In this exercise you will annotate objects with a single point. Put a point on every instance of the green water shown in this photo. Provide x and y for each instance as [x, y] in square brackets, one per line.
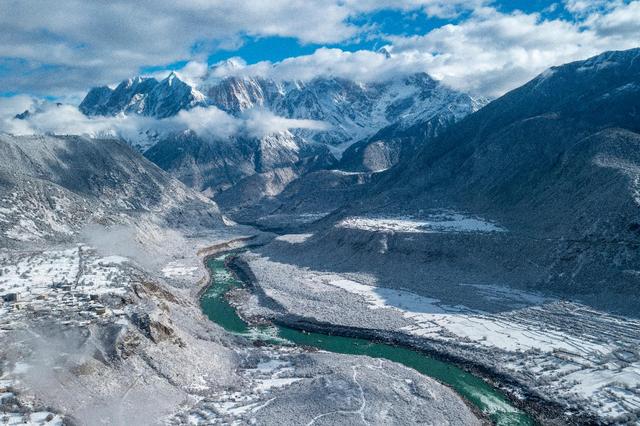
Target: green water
[475, 390]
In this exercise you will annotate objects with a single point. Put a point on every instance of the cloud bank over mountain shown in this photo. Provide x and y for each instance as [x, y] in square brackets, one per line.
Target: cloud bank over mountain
[210, 122]
[477, 46]
[488, 54]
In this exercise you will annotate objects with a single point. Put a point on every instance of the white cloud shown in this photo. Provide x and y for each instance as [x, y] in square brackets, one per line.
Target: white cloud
[206, 122]
[586, 7]
[487, 54]
[213, 123]
[77, 43]
[363, 65]
[210, 123]
[64, 47]
[67, 119]
[10, 106]
[192, 72]
[493, 52]
[621, 24]
[434, 8]
[259, 122]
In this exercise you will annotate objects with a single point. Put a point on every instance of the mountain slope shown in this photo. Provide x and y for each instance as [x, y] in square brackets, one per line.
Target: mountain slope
[557, 163]
[213, 165]
[54, 186]
[390, 144]
[571, 119]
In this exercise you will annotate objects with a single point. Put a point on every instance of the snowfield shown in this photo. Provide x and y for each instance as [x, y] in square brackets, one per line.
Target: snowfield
[440, 222]
[77, 308]
[595, 359]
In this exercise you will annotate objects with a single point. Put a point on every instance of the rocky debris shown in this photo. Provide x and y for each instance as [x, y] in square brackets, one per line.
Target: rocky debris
[10, 297]
[154, 330]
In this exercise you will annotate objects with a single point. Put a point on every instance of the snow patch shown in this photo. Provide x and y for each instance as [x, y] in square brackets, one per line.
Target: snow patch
[294, 238]
[438, 223]
[176, 270]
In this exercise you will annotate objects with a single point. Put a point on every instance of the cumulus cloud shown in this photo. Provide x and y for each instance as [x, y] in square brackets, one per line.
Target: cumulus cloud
[77, 43]
[493, 52]
[210, 123]
[206, 122]
[66, 46]
[10, 106]
[433, 8]
[487, 54]
[362, 65]
[621, 24]
[191, 73]
[586, 7]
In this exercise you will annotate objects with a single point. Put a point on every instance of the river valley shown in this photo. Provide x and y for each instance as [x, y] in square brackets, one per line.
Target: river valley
[483, 397]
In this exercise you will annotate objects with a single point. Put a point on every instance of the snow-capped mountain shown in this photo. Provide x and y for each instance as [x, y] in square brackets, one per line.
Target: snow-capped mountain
[354, 110]
[143, 96]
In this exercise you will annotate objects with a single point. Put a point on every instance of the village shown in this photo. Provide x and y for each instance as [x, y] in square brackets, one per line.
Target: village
[73, 287]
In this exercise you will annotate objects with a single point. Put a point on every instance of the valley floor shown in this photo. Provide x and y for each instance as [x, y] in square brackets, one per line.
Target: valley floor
[89, 331]
[91, 337]
[538, 348]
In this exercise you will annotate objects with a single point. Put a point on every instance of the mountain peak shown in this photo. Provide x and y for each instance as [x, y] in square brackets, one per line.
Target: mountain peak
[234, 63]
[385, 52]
[172, 82]
[143, 96]
[171, 78]
[354, 110]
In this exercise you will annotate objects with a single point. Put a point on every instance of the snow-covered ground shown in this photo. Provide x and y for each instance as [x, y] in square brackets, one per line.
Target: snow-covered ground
[294, 238]
[33, 222]
[92, 335]
[565, 351]
[290, 386]
[177, 270]
[439, 222]
[66, 284]
[12, 412]
[76, 326]
[583, 352]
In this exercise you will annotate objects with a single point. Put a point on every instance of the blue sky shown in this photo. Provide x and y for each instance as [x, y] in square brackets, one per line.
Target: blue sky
[60, 49]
